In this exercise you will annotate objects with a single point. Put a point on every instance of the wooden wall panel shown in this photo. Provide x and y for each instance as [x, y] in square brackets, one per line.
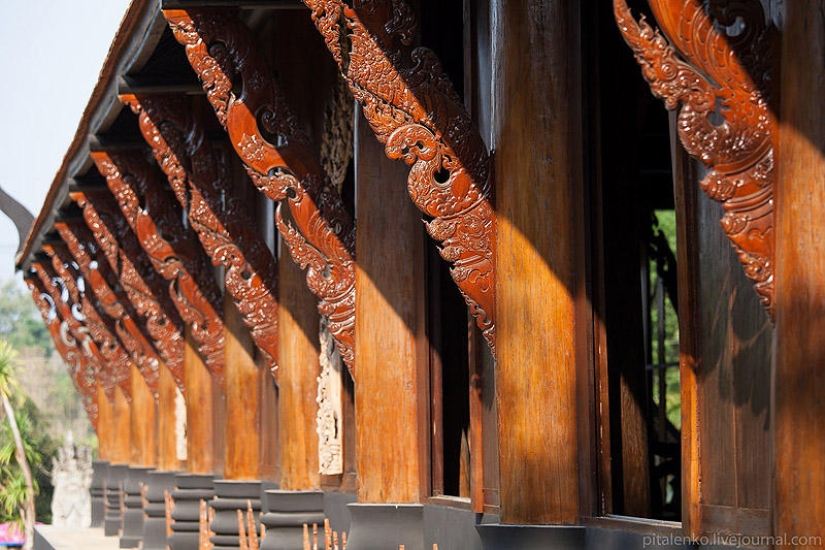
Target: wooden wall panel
[391, 385]
[297, 382]
[121, 429]
[167, 436]
[105, 426]
[143, 423]
[799, 444]
[733, 385]
[536, 374]
[200, 405]
[242, 394]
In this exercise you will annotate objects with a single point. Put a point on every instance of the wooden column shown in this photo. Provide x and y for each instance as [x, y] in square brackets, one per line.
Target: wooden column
[121, 429]
[166, 422]
[297, 381]
[242, 393]
[105, 426]
[799, 417]
[538, 237]
[391, 350]
[144, 447]
[201, 439]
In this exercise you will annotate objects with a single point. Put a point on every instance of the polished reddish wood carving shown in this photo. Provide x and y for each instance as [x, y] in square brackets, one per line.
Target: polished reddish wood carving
[140, 282]
[114, 303]
[202, 183]
[81, 370]
[414, 111]
[116, 367]
[160, 232]
[717, 80]
[320, 233]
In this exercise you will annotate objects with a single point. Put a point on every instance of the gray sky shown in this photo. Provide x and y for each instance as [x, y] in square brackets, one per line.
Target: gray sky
[51, 52]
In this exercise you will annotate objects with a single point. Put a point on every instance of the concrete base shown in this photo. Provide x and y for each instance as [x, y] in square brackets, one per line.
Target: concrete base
[190, 490]
[113, 519]
[382, 526]
[231, 496]
[132, 534]
[98, 491]
[556, 537]
[286, 512]
[154, 526]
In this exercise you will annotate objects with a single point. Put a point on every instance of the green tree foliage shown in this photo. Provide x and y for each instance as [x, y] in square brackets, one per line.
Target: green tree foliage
[20, 322]
[40, 450]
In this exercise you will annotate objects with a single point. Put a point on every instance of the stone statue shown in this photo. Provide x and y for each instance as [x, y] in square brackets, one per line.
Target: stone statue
[72, 478]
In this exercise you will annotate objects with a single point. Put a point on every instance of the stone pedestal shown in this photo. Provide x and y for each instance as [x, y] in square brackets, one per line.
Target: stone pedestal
[113, 516]
[382, 526]
[132, 533]
[154, 525]
[231, 496]
[190, 490]
[98, 491]
[285, 513]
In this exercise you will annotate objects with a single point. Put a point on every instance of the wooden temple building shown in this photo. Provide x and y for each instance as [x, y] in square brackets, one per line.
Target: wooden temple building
[406, 265]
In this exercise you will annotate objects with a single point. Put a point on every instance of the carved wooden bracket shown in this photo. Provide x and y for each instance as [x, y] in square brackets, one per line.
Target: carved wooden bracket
[81, 370]
[718, 81]
[414, 111]
[140, 282]
[116, 367]
[160, 232]
[320, 232]
[202, 183]
[114, 303]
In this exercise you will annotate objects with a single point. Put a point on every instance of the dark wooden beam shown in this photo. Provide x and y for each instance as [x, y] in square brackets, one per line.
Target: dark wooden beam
[241, 4]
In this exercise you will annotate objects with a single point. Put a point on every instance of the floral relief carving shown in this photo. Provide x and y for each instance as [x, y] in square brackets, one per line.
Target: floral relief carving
[414, 111]
[718, 82]
[201, 181]
[114, 237]
[81, 370]
[167, 243]
[116, 305]
[116, 367]
[317, 228]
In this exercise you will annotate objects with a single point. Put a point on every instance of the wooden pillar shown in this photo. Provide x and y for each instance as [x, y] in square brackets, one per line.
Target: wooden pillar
[536, 261]
[105, 426]
[391, 378]
[297, 381]
[144, 448]
[167, 422]
[121, 429]
[200, 405]
[800, 277]
[242, 393]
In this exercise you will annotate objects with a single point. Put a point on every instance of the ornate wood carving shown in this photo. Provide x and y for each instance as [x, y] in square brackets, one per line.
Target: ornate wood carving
[718, 81]
[81, 370]
[115, 304]
[320, 233]
[329, 419]
[115, 238]
[116, 368]
[202, 183]
[414, 111]
[160, 232]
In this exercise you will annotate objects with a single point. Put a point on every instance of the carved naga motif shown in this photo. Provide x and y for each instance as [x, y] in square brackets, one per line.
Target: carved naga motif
[202, 184]
[320, 232]
[115, 238]
[116, 368]
[115, 304]
[414, 111]
[81, 370]
[724, 120]
[167, 243]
